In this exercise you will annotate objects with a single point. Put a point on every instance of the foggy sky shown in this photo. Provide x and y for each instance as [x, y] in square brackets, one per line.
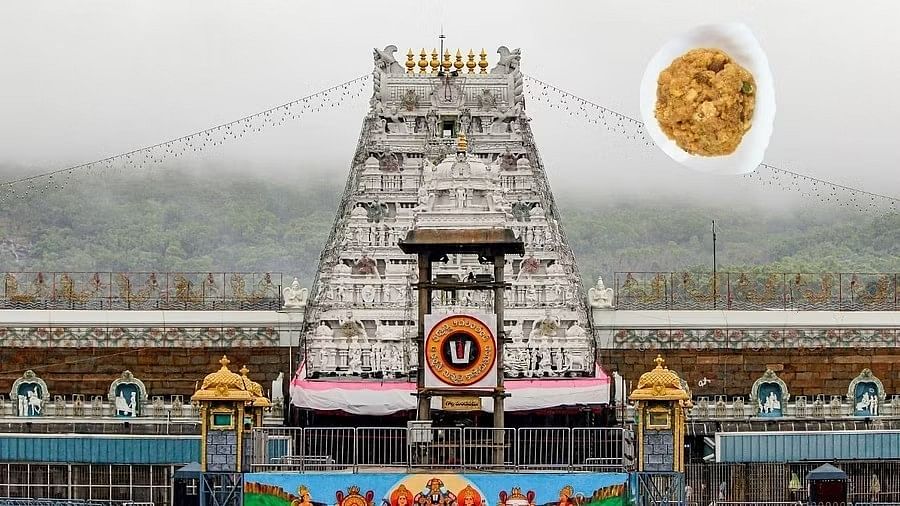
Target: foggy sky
[83, 80]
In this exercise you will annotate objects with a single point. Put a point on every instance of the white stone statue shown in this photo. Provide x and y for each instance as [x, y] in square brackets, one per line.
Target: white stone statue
[126, 407]
[425, 201]
[354, 358]
[413, 355]
[278, 389]
[599, 296]
[295, 296]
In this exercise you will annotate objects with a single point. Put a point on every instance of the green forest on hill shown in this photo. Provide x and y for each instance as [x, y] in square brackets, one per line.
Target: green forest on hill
[175, 221]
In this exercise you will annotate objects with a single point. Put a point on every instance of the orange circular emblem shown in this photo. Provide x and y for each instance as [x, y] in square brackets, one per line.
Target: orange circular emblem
[460, 350]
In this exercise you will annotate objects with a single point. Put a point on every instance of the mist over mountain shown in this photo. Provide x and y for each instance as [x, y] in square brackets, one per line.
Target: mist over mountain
[231, 220]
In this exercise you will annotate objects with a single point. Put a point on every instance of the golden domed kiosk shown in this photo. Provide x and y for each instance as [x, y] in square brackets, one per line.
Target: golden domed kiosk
[660, 405]
[231, 405]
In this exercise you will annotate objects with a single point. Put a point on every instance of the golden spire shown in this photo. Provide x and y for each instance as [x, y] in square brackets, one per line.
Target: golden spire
[435, 63]
[423, 62]
[660, 362]
[410, 64]
[462, 145]
[458, 64]
[471, 63]
[446, 64]
[483, 64]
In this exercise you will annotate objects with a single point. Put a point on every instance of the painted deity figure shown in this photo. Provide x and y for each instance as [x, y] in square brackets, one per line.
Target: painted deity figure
[435, 494]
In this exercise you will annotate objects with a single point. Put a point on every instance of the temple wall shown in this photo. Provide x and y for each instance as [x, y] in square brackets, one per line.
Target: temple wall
[165, 371]
[806, 372]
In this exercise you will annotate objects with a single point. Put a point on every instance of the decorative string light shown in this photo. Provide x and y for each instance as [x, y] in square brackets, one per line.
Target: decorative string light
[196, 142]
[767, 174]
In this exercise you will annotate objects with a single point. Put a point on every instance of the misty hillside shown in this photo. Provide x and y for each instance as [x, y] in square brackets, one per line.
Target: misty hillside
[172, 221]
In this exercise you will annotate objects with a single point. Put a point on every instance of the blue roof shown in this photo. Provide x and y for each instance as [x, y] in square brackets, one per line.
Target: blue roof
[807, 446]
[99, 448]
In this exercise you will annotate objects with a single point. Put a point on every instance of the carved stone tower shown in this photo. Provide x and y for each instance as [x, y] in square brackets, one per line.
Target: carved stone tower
[446, 143]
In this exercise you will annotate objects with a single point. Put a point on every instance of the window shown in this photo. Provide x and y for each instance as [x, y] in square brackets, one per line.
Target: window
[658, 418]
[221, 420]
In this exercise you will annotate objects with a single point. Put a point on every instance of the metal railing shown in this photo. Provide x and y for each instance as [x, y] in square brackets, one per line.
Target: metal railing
[141, 290]
[874, 481]
[834, 291]
[374, 449]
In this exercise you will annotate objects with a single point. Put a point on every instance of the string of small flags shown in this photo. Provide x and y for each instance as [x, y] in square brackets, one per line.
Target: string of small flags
[195, 142]
[766, 174]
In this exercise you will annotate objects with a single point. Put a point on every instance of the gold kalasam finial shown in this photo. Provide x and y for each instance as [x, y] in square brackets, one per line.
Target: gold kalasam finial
[471, 63]
[224, 361]
[244, 371]
[462, 145]
[410, 64]
[458, 64]
[435, 63]
[660, 362]
[423, 62]
[446, 64]
[483, 64]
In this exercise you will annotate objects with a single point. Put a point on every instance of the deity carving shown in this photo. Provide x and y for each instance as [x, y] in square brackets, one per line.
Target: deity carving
[389, 161]
[353, 328]
[354, 358]
[521, 211]
[295, 296]
[508, 160]
[376, 211]
[465, 121]
[487, 101]
[367, 266]
[410, 100]
[546, 326]
[599, 296]
[431, 119]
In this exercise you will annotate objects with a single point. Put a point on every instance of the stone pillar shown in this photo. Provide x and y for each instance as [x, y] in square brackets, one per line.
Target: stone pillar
[499, 391]
[660, 405]
[424, 404]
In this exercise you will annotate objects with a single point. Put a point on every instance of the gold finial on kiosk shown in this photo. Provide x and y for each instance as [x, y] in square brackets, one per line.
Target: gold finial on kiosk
[462, 145]
[446, 64]
[458, 64]
[660, 404]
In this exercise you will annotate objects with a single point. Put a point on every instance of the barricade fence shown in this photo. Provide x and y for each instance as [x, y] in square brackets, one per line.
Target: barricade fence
[362, 449]
[727, 484]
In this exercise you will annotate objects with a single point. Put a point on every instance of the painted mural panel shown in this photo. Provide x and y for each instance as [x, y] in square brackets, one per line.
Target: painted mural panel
[283, 489]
